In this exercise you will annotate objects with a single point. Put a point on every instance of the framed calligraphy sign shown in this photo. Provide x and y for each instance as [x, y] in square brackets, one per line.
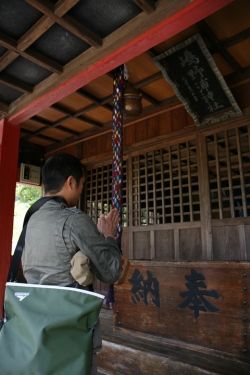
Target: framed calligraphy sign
[197, 82]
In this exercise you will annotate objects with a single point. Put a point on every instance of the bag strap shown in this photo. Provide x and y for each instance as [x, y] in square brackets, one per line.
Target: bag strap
[16, 259]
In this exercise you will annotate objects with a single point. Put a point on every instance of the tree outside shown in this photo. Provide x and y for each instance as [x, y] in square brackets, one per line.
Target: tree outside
[25, 197]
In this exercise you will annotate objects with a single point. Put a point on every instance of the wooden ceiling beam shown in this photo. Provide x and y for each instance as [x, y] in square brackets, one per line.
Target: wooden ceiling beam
[46, 138]
[26, 40]
[147, 5]
[35, 32]
[91, 107]
[56, 124]
[51, 124]
[15, 84]
[146, 81]
[43, 61]
[62, 110]
[107, 99]
[67, 130]
[7, 59]
[146, 113]
[27, 132]
[235, 39]
[41, 26]
[63, 6]
[88, 121]
[100, 102]
[47, 126]
[32, 135]
[4, 109]
[234, 77]
[67, 22]
[206, 31]
[149, 98]
[88, 96]
[94, 99]
[76, 115]
[30, 54]
[88, 108]
[130, 40]
[38, 29]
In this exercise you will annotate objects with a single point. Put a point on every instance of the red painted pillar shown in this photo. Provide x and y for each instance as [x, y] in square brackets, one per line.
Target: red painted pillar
[9, 146]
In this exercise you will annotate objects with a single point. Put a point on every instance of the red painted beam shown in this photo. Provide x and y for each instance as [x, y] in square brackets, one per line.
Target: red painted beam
[181, 20]
[9, 142]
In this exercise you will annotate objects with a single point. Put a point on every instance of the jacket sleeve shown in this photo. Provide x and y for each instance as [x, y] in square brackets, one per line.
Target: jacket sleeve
[104, 254]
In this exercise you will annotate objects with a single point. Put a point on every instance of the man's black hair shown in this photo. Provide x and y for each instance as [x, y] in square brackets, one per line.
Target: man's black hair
[57, 169]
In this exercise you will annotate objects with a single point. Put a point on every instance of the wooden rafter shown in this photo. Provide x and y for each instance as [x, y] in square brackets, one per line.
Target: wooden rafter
[63, 6]
[206, 30]
[166, 21]
[148, 97]
[30, 54]
[4, 109]
[96, 103]
[67, 22]
[30, 135]
[40, 27]
[230, 78]
[47, 125]
[147, 5]
[88, 108]
[57, 124]
[7, 58]
[235, 39]
[74, 115]
[147, 111]
[15, 84]
[146, 81]
[100, 102]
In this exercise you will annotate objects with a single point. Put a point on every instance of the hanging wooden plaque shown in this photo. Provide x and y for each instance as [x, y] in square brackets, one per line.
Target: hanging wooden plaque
[197, 82]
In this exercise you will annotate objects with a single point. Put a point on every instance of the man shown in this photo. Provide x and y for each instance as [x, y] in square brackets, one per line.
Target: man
[57, 231]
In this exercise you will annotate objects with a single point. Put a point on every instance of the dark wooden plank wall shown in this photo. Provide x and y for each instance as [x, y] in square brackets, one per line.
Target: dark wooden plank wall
[139, 131]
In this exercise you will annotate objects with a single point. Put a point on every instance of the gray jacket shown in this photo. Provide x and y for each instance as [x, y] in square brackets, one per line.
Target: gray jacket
[54, 234]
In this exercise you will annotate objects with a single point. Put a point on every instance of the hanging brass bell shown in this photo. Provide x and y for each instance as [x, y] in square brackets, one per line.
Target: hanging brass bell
[132, 106]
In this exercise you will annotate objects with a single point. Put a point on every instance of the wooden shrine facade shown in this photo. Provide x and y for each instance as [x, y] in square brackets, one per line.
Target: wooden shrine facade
[186, 213]
[186, 190]
[186, 193]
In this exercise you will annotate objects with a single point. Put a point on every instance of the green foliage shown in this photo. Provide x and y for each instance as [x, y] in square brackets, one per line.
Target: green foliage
[27, 194]
[25, 197]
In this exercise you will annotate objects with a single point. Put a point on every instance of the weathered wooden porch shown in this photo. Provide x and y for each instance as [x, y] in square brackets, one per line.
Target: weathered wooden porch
[125, 353]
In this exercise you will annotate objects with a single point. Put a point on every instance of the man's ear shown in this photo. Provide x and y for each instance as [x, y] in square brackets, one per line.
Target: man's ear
[69, 182]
